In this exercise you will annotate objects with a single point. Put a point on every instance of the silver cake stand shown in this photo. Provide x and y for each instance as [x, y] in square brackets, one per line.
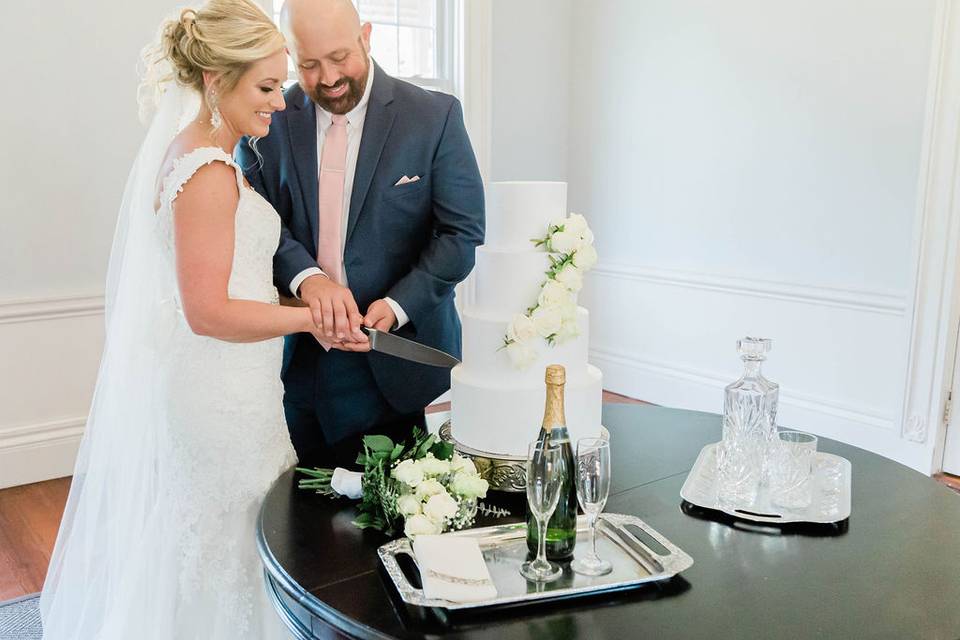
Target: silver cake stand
[503, 472]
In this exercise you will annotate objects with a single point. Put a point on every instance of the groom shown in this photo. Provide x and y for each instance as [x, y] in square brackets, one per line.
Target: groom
[381, 205]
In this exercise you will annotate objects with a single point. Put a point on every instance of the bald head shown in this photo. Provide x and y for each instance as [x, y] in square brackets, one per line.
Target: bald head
[303, 17]
[329, 47]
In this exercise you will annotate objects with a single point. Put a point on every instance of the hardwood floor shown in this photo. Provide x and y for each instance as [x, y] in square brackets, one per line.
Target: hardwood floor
[30, 517]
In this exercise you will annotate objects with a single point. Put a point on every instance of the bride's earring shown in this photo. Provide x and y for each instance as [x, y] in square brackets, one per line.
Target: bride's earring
[216, 120]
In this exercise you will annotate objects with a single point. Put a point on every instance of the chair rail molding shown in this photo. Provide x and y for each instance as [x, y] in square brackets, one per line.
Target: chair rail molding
[873, 301]
[50, 308]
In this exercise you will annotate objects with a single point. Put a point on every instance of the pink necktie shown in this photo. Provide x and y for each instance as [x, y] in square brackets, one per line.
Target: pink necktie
[332, 170]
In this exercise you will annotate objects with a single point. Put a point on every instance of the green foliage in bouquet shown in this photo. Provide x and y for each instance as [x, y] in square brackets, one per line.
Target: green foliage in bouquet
[378, 507]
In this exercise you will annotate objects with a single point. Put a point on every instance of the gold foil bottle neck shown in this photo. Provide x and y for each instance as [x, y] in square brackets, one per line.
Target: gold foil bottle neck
[553, 415]
[556, 374]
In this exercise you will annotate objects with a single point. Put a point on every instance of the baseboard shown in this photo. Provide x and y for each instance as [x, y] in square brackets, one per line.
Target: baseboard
[34, 453]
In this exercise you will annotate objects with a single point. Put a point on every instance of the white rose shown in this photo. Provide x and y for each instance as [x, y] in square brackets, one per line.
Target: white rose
[568, 310]
[547, 321]
[522, 355]
[565, 242]
[570, 277]
[408, 504]
[420, 525]
[470, 485]
[585, 257]
[521, 329]
[569, 329]
[462, 464]
[433, 466]
[575, 223]
[586, 238]
[428, 488]
[552, 294]
[440, 508]
[408, 472]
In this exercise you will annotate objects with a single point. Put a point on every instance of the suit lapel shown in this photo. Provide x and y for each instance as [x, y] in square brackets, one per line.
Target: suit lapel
[376, 129]
[302, 129]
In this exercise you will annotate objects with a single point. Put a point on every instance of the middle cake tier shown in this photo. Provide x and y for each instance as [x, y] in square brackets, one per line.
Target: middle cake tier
[508, 282]
[484, 355]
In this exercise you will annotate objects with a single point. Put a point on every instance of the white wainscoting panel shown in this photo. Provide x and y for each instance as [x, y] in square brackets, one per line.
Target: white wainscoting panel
[670, 339]
[50, 349]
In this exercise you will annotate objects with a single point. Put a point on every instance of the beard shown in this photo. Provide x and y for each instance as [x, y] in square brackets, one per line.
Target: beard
[351, 97]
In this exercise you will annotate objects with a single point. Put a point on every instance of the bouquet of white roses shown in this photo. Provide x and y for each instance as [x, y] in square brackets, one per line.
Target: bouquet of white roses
[553, 317]
[420, 487]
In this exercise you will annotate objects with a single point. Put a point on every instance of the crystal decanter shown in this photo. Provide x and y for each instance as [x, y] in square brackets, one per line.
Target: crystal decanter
[749, 427]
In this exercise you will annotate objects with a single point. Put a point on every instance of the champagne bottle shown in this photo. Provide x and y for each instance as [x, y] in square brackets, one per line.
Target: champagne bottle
[561, 530]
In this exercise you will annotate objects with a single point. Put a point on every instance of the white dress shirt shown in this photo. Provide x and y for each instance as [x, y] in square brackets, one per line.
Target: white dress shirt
[355, 119]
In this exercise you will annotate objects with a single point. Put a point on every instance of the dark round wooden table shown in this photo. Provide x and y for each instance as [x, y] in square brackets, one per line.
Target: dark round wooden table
[892, 570]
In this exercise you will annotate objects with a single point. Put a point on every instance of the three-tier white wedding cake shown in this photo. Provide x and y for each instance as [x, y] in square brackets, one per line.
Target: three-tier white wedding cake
[497, 403]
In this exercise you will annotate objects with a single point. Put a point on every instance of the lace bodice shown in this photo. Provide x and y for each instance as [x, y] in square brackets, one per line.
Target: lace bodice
[256, 234]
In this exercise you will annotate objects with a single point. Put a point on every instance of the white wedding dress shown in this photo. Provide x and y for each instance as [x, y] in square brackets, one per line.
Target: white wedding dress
[174, 556]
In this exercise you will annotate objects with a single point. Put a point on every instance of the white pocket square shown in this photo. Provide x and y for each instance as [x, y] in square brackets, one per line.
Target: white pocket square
[405, 180]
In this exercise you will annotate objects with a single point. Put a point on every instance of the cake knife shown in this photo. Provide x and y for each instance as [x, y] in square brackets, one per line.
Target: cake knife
[394, 345]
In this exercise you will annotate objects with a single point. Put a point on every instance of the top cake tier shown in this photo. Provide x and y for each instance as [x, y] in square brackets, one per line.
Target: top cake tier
[518, 212]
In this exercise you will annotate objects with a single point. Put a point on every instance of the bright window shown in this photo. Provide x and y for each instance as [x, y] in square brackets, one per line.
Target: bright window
[411, 39]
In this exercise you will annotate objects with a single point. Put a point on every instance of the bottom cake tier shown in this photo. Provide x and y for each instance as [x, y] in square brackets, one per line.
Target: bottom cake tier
[492, 417]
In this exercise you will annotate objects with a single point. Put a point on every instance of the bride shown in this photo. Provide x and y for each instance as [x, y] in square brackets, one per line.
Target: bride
[186, 431]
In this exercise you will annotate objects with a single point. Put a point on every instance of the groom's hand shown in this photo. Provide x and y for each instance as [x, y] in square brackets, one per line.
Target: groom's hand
[334, 310]
[380, 316]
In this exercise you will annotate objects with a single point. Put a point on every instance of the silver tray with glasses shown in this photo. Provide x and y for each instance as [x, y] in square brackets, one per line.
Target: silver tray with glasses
[639, 555]
[829, 492]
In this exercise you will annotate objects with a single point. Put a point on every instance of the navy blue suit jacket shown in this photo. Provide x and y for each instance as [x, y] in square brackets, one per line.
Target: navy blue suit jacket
[412, 242]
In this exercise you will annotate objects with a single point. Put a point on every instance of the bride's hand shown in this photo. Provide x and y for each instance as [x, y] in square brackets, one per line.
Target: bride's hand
[334, 309]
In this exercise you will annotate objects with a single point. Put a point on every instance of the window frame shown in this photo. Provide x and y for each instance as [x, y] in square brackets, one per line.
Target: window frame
[449, 36]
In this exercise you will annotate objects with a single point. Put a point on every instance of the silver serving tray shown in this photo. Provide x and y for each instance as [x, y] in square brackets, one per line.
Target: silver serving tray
[504, 548]
[830, 492]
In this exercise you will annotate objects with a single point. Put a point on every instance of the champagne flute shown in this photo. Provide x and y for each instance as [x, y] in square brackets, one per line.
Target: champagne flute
[593, 487]
[545, 466]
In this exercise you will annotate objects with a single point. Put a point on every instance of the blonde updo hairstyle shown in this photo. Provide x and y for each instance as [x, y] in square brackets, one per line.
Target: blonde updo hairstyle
[223, 37]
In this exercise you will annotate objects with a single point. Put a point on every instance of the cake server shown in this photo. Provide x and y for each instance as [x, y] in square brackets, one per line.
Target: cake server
[394, 345]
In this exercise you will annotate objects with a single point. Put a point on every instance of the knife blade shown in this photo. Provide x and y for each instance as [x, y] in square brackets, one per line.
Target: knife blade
[394, 345]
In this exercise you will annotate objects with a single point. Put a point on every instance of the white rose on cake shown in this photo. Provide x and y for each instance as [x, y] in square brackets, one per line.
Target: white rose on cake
[568, 310]
[585, 257]
[522, 355]
[565, 242]
[553, 294]
[547, 320]
[586, 237]
[440, 508]
[570, 277]
[575, 223]
[569, 329]
[521, 329]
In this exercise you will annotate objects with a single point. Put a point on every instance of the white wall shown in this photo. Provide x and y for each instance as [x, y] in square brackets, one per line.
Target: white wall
[70, 134]
[753, 168]
[530, 89]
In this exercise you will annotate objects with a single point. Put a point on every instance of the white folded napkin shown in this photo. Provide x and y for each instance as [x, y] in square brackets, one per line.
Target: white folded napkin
[452, 568]
[347, 483]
